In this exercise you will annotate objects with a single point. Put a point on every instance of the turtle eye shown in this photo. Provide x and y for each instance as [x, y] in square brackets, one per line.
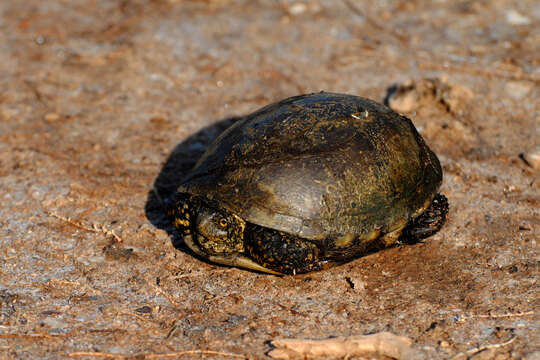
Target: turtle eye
[222, 222]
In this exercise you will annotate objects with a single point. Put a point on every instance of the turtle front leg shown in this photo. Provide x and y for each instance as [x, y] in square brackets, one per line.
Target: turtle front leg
[282, 252]
[428, 223]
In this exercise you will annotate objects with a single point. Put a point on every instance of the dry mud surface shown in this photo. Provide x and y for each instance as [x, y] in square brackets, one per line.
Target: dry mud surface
[101, 99]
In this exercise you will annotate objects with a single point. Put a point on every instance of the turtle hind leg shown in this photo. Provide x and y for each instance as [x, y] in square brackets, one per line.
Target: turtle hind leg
[282, 252]
[428, 223]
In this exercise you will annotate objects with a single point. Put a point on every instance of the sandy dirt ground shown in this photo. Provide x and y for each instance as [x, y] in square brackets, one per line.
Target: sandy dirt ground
[100, 100]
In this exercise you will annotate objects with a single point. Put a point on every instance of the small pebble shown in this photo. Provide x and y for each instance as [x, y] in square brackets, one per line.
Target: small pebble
[518, 89]
[515, 18]
[144, 310]
[53, 323]
[355, 283]
[532, 158]
[444, 344]
[51, 117]
[297, 8]
[40, 40]
[7, 113]
[408, 97]
[406, 102]
[488, 354]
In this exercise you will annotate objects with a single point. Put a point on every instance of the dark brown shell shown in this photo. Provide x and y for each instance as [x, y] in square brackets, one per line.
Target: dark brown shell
[320, 166]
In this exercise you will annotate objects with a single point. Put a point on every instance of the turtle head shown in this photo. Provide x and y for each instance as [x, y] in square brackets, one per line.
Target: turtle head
[219, 231]
[216, 230]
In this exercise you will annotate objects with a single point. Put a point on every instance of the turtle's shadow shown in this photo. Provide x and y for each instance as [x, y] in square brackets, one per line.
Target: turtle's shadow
[178, 164]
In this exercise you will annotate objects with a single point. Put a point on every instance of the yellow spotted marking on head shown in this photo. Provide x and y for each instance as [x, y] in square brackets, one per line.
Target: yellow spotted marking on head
[181, 222]
[331, 188]
[240, 222]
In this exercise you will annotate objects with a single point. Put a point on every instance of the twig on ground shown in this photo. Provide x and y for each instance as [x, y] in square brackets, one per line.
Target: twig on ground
[97, 228]
[466, 354]
[60, 283]
[96, 354]
[137, 316]
[358, 11]
[490, 73]
[32, 336]
[155, 356]
[167, 296]
[463, 318]
[383, 343]
[191, 352]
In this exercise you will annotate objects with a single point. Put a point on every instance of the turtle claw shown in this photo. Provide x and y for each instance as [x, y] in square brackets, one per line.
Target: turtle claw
[236, 260]
[428, 223]
[243, 262]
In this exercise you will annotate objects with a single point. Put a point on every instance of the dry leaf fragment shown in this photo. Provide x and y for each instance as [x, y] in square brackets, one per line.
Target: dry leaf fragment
[383, 343]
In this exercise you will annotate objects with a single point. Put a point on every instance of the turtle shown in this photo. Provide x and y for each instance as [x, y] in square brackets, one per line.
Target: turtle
[309, 182]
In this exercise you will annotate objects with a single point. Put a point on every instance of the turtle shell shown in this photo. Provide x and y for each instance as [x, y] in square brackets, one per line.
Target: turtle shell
[320, 166]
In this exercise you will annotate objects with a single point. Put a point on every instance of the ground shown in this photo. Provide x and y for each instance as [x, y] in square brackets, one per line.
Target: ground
[100, 100]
